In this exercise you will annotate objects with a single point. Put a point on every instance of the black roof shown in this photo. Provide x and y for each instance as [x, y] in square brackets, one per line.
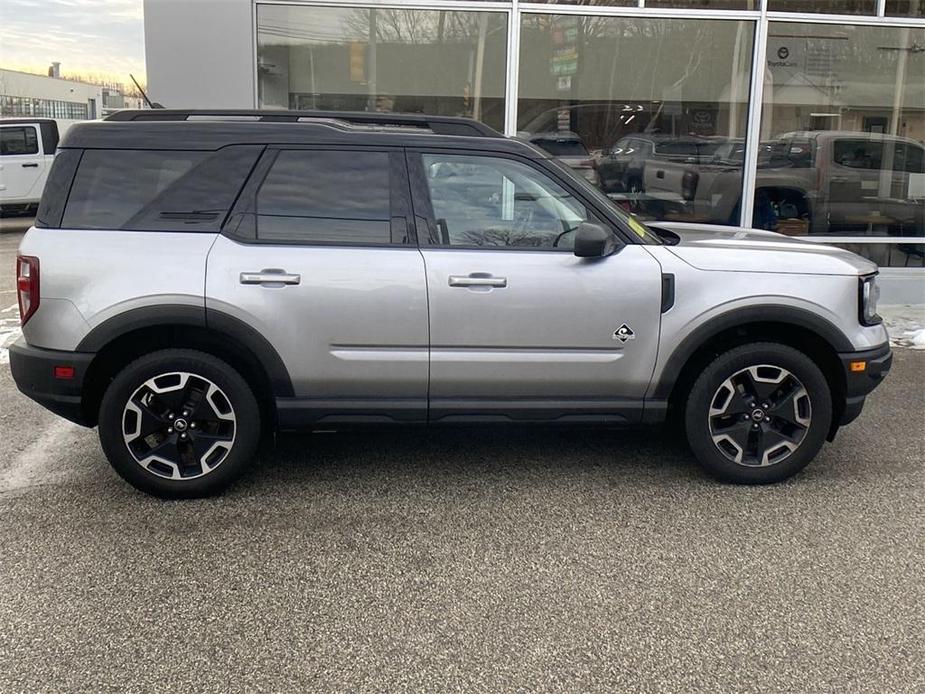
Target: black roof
[209, 130]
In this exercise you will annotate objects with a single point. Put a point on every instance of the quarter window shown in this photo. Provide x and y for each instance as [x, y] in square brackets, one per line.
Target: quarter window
[318, 196]
[164, 190]
[18, 141]
[494, 202]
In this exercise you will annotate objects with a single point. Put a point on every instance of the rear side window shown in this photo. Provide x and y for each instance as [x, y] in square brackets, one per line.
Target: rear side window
[148, 190]
[320, 196]
[18, 140]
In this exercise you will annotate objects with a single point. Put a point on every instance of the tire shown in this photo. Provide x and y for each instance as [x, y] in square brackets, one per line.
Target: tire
[774, 442]
[142, 422]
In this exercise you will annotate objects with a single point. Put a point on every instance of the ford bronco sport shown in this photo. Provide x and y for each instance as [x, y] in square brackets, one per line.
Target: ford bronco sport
[196, 279]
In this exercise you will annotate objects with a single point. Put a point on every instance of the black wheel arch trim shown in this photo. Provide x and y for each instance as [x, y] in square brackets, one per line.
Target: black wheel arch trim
[741, 316]
[201, 317]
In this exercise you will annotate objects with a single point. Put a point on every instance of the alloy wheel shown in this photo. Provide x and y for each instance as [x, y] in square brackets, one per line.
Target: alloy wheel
[179, 425]
[760, 415]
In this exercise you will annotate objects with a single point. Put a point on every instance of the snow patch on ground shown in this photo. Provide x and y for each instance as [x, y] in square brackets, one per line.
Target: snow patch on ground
[9, 332]
[905, 323]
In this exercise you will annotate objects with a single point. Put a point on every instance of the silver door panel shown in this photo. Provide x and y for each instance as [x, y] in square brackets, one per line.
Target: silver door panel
[549, 332]
[353, 327]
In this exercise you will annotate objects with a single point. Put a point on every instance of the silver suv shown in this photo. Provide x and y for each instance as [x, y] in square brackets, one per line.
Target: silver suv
[197, 279]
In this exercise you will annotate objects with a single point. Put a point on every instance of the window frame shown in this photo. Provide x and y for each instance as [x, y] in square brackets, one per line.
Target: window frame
[424, 211]
[241, 224]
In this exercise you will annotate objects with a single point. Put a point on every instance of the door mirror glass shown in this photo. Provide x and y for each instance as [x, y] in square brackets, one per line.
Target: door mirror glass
[594, 241]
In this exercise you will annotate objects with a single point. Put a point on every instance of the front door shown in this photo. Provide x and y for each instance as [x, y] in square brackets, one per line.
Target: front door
[317, 257]
[521, 328]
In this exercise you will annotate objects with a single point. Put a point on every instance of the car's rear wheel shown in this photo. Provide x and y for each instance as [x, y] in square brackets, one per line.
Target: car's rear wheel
[179, 424]
[758, 413]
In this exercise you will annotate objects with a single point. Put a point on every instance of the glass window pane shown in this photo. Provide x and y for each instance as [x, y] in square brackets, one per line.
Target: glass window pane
[660, 105]
[707, 4]
[327, 197]
[906, 8]
[112, 186]
[18, 141]
[604, 3]
[362, 59]
[489, 202]
[826, 6]
[842, 126]
[890, 254]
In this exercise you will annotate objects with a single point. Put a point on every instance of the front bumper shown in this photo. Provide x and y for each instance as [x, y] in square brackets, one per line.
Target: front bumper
[34, 372]
[861, 380]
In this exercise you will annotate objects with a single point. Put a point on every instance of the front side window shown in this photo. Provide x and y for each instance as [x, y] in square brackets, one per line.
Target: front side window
[22, 140]
[492, 202]
[321, 196]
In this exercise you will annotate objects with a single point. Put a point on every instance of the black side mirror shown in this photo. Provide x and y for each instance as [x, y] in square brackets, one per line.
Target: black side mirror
[594, 241]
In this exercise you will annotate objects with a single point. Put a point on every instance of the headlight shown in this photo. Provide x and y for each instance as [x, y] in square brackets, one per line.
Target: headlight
[867, 304]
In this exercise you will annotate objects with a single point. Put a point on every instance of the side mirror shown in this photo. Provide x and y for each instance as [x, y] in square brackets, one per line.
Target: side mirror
[593, 241]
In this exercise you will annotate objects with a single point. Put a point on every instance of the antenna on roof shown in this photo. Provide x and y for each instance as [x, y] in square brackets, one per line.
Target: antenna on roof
[145, 96]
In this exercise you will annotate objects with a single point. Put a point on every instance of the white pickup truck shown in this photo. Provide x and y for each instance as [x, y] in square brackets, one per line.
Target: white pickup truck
[27, 149]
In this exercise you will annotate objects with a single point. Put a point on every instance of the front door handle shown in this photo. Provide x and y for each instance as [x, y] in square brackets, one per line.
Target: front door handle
[477, 279]
[270, 276]
[31, 165]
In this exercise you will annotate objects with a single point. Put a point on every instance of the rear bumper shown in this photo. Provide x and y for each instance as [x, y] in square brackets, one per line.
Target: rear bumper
[34, 372]
[859, 383]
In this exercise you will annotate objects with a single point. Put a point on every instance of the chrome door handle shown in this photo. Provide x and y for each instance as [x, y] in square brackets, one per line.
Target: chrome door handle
[270, 276]
[477, 279]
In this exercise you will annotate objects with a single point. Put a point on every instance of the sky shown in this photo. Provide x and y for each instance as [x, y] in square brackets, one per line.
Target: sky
[99, 38]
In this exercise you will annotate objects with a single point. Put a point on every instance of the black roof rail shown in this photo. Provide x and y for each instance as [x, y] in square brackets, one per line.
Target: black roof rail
[439, 125]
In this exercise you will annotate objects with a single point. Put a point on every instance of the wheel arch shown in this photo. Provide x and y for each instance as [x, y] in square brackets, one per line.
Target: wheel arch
[809, 333]
[123, 338]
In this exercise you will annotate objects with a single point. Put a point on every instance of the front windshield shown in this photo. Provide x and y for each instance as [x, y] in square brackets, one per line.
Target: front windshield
[646, 235]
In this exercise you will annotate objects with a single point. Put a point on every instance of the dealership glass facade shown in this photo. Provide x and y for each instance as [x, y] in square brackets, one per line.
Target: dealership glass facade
[805, 117]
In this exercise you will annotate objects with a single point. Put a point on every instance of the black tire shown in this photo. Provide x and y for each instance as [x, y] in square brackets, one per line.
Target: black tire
[230, 458]
[723, 385]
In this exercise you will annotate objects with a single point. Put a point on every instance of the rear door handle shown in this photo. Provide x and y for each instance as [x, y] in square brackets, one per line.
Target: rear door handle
[31, 165]
[477, 279]
[270, 277]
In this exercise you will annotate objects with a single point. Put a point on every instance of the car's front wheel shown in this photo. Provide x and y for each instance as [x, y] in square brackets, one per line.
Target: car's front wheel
[179, 424]
[758, 413]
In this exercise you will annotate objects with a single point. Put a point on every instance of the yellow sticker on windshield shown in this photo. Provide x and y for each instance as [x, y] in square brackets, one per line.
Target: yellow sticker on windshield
[640, 230]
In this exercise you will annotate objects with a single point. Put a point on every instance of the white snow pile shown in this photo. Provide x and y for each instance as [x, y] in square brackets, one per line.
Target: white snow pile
[9, 332]
[906, 325]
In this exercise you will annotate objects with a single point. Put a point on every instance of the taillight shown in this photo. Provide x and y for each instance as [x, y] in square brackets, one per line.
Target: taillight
[27, 286]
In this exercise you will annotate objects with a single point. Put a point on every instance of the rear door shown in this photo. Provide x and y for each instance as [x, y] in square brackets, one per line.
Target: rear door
[22, 163]
[319, 258]
[521, 328]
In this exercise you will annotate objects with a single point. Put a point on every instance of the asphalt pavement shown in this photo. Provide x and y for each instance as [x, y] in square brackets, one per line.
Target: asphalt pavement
[467, 560]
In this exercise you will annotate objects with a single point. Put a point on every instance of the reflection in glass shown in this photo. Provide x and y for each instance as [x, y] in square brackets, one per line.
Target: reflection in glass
[906, 8]
[890, 254]
[827, 6]
[652, 110]
[361, 59]
[842, 126]
[708, 4]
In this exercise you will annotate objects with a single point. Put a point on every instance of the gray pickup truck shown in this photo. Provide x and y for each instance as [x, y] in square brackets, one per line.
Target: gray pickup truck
[827, 181]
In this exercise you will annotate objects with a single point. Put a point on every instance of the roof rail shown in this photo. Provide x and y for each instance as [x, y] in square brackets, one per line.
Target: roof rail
[439, 125]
